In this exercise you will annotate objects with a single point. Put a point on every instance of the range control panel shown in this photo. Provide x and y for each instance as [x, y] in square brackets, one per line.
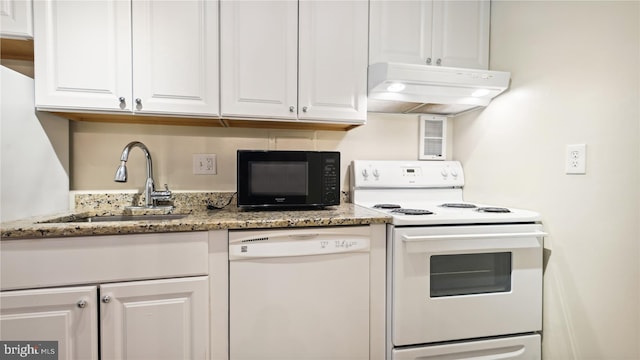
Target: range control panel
[393, 174]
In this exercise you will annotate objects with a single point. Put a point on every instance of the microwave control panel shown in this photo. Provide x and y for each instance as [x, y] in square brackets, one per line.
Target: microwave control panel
[331, 177]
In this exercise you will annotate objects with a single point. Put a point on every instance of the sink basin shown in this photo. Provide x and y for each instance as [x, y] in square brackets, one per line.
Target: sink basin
[150, 217]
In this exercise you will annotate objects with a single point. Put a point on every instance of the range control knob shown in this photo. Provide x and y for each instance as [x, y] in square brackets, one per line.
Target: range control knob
[454, 173]
[376, 174]
[365, 174]
[444, 172]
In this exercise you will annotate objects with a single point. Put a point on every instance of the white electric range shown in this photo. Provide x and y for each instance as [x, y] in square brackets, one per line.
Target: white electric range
[463, 280]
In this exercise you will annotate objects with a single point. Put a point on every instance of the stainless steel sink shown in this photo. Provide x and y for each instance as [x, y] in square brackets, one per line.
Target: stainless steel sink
[149, 217]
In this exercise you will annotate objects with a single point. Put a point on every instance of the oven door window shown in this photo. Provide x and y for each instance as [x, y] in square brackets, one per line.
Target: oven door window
[468, 274]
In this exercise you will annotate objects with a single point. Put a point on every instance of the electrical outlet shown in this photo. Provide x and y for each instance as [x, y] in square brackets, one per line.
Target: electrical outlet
[204, 164]
[576, 159]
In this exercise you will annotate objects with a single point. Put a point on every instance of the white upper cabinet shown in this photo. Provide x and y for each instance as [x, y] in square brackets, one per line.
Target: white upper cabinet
[464, 33]
[175, 56]
[332, 70]
[441, 33]
[258, 59]
[82, 54]
[16, 19]
[400, 31]
[154, 57]
[293, 60]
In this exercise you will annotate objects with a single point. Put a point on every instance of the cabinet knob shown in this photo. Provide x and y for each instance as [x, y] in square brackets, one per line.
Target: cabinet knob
[138, 101]
[439, 62]
[106, 299]
[428, 61]
[304, 109]
[82, 304]
[292, 108]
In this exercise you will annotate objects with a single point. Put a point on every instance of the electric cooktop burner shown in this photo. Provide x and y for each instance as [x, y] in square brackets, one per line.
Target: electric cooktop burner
[387, 206]
[412, 211]
[459, 205]
[494, 210]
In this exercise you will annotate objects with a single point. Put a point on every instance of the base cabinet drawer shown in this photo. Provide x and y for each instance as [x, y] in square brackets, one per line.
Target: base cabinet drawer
[36, 263]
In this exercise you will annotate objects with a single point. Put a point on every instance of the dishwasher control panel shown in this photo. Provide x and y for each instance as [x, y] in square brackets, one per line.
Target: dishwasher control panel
[288, 243]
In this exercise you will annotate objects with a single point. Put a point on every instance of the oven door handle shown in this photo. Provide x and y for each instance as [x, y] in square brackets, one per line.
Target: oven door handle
[407, 238]
[464, 243]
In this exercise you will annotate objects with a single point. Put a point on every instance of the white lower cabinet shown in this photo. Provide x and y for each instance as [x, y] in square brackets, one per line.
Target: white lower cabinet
[67, 315]
[159, 319]
[109, 297]
[156, 319]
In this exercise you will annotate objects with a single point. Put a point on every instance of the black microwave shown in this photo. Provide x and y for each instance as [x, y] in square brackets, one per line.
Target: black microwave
[288, 179]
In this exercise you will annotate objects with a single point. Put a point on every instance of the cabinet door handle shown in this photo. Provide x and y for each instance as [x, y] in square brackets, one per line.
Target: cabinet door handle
[82, 304]
[138, 101]
[106, 299]
[304, 109]
[122, 99]
[439, 62]
[292, 108]
[428, 61]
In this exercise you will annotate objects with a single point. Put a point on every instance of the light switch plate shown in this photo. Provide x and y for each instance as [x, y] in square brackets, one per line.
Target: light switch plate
[204, 164]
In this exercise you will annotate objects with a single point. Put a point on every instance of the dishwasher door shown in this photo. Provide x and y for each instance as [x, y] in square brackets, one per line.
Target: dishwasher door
[299, 294]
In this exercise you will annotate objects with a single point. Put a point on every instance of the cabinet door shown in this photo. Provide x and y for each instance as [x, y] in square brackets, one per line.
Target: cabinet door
[175, 57]
[159, 319]
[400, 31]
[15, 19]
[332, 84]
[66, 315]
[82, 54]
[258, 59]
[461, 33]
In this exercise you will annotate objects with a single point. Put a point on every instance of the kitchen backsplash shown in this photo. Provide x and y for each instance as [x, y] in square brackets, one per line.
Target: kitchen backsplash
[96, 149]
[108, 203]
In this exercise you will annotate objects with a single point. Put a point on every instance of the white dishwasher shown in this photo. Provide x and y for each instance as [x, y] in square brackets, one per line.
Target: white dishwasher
[299, 293]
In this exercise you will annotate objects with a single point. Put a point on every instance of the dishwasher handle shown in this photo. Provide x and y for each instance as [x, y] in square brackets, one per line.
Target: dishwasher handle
[255, 250]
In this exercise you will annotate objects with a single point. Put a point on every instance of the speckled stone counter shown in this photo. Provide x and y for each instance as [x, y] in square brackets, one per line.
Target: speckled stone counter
[192, 205]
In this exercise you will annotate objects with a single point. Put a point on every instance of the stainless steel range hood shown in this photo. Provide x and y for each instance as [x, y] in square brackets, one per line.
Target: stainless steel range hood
[416, 89]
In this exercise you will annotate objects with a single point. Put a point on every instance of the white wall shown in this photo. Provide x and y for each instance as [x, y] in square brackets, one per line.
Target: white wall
[34, 177]
[575, 79]
[96, 149]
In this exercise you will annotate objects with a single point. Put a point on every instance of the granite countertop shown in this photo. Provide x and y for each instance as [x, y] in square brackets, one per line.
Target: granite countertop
[197, 217]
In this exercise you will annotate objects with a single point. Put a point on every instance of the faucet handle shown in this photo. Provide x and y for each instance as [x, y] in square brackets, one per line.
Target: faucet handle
[164, 195]
[165, 192]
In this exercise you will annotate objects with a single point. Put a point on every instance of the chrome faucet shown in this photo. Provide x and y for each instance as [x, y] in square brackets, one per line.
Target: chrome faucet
[151, 195]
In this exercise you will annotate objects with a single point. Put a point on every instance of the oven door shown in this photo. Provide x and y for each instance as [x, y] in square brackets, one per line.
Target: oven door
[463, 282]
